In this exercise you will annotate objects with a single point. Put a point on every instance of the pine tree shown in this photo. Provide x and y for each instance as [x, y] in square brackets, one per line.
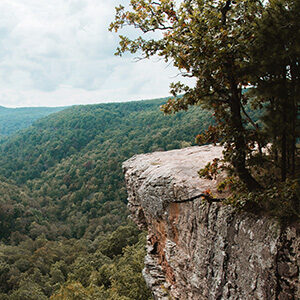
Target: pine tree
[276, 76]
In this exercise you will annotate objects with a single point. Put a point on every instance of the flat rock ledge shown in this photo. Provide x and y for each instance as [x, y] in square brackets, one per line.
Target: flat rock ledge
[200, 250]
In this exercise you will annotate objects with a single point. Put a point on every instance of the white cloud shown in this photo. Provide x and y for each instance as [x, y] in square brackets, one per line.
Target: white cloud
[60, 52]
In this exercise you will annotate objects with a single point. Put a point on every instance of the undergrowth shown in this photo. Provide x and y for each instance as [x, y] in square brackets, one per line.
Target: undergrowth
[277, 199]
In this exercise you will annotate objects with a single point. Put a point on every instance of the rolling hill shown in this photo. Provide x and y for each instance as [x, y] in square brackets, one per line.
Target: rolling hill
[64, 226]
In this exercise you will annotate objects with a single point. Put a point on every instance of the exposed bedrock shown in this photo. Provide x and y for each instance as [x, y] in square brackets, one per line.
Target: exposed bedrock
[206, 250]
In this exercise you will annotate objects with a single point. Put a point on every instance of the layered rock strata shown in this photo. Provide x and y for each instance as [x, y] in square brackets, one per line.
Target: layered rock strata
[201, 250]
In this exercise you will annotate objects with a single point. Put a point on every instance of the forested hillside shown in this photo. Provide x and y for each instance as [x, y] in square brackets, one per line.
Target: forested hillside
[64, 226]
[14, 119]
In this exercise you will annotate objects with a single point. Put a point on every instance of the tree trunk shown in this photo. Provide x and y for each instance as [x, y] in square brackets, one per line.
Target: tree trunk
[283, 155]
[239, 155]
[284, 101]
[295, 74]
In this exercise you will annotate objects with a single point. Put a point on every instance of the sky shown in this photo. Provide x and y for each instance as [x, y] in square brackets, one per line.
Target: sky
[60, 52]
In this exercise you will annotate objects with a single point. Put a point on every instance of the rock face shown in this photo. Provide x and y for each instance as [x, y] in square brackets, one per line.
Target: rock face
[206, 250]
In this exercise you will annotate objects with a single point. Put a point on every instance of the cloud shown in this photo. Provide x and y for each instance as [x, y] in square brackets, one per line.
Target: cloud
[60, 52]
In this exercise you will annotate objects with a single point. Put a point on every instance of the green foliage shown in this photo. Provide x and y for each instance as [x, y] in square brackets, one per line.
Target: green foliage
[71, 269]
[127, 280]
[211, 170]
[118, 279]
[278, 199]
[116, 241]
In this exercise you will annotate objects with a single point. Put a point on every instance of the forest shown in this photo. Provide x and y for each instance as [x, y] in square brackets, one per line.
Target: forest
[64, 224]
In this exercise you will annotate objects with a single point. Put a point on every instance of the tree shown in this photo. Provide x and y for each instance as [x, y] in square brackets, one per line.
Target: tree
[127, 280]
[28, 290]
[275, 60]
[208, 40]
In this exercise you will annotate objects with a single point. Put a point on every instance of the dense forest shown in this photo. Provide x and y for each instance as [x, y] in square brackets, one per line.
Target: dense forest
[64, 227]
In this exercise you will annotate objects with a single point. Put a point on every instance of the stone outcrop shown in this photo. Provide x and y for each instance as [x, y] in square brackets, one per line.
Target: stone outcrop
[201, 250]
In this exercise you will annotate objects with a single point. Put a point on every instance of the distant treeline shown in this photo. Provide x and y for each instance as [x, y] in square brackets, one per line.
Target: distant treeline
[14, 119]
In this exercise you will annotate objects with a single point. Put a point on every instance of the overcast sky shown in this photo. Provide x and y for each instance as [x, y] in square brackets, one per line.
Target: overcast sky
[59, 52]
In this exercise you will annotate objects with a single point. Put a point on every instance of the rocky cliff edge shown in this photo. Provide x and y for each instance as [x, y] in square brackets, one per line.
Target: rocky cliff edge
[200, 250]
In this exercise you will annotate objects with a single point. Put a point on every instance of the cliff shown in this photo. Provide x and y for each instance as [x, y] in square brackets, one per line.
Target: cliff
[206, 250]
